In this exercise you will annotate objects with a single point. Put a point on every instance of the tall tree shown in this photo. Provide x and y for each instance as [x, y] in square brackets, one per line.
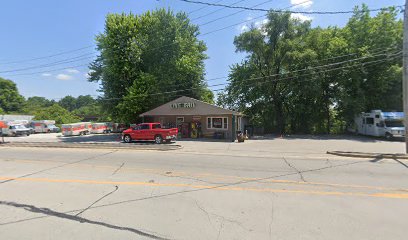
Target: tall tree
[144, 55]
[310, 80]
[10, 98]
[57, 113]
[68, 102]
[270, 51]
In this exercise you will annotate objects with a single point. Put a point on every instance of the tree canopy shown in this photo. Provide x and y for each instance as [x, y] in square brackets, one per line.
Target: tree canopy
[10, 98]
[146, 60]
[300, 79]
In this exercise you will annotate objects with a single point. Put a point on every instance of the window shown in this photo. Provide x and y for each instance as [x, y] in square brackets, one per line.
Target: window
[217, 123]
[179, 120]
[154, 126]
[377, 116]
[144, 127]
[370, 120]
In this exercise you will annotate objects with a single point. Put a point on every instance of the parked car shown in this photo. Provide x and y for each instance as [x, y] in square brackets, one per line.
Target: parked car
[149, 132]
[17, 130]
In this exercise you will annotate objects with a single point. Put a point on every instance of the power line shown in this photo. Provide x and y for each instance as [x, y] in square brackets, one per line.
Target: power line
[226, 16]
[48, 56]
[208, 14]
[166, 45]
[281, 11]
[396, 55]
[52, 70]
[266, 81]
[69, 60]
[201, 8]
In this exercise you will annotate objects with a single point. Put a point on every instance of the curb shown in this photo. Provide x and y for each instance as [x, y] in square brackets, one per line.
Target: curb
[368, 155]
[83, 145]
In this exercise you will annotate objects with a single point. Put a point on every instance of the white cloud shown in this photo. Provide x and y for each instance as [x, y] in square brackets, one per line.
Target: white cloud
[301, 17]
[261, 23]
[88, 74]
[301, 3]
[62, 76]
[243, 28]
[46, 74]
[258, 24]
[72, 70]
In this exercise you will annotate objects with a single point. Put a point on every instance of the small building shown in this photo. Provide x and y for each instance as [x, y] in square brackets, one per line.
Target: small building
[196, 119]
[16, 118]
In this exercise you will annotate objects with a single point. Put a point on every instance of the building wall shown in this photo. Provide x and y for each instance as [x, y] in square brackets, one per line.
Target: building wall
[165, 120]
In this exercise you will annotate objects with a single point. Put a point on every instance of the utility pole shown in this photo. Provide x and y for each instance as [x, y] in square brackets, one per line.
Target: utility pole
[405, 74]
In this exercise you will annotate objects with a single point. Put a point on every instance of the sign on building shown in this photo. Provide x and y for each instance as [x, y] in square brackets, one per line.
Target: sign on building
[183, 105]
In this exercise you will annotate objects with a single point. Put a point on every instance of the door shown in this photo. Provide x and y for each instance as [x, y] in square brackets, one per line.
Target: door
[144, 133]
[369, 126]
[135, 133]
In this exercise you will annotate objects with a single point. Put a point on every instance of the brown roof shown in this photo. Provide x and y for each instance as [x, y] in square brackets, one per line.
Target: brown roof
[176, 107]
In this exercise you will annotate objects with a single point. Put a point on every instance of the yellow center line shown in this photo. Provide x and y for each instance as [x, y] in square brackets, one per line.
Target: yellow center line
[221, 188]
[214, 176]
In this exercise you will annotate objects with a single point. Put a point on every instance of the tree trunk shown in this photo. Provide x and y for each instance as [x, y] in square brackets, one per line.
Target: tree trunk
[280, 118]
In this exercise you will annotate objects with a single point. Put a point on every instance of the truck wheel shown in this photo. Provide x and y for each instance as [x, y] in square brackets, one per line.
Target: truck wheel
[127, 139]
[388, 136]
[158, 139]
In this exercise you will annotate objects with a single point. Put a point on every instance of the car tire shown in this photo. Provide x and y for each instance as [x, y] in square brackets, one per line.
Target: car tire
[158, 139]
[388, 136]
[127, 139]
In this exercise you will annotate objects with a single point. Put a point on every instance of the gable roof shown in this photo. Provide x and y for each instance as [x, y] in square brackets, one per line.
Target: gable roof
[199, 108]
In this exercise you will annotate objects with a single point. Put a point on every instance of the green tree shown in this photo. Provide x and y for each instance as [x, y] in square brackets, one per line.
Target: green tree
[33, 104]
[373, 86]
[68, 102]
[143, 55]
[84, 100]
[10, 99]
[312, 80]
[57, 113]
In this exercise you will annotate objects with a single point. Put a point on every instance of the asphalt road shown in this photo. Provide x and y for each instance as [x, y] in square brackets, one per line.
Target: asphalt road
[110, 194]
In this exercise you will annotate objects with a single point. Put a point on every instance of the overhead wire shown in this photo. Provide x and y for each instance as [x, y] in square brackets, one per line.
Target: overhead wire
[280, 11]
[48, 56]
[201, 8]
[389, 58]
[226, 16]
[211, 13]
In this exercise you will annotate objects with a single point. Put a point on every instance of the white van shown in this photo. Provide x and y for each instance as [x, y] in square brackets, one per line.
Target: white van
[380, 124]
[44, 126]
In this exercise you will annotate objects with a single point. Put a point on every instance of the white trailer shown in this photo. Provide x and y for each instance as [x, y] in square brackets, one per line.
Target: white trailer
[380, 124]
[44, 126]
[100, 128]
[76, 129]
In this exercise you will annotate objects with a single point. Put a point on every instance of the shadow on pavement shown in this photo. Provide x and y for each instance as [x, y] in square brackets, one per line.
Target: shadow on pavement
[92, 138]
[49, 212]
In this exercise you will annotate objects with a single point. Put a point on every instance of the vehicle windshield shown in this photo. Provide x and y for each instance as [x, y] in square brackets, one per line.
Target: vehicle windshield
[51, 126]
[18, 127]
[394, 123]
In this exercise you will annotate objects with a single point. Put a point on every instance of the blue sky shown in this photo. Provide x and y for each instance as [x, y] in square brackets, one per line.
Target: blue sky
[33, 29]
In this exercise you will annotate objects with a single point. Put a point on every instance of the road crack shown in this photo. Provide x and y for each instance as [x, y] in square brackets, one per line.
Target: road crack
[99, 199]
[294, 168]
[59, 166]
[117, 170]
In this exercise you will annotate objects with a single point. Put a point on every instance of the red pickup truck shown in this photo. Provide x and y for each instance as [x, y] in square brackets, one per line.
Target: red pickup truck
[149, 132]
